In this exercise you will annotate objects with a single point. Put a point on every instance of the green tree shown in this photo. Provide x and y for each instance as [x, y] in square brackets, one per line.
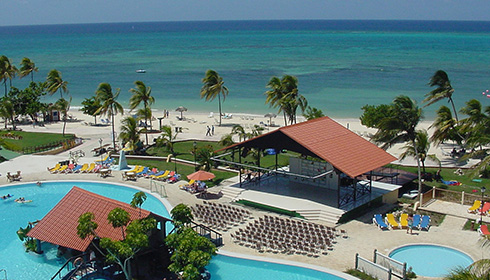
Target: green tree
[312, 113]
[54, 83]
[203, 157]
[109, 105]
[373, 114]
[181, 215]
[90, 107]
[86, 225]
[7, 111]
[400, 126]
[27, 67]
[422, 145]
[129, 134]
[118, 217]
[474, 126]
[226, 140]
[478, 270]
[138, 199]
[213, 85]
[239, 131]
[63, 106]
[142, 94]
[27, 102]
[167, 138]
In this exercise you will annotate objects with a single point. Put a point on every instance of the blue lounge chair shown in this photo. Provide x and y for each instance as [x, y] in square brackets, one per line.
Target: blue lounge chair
[379, 222]
[143, 172]
[425, 223]
[77, 168]
[416, 221]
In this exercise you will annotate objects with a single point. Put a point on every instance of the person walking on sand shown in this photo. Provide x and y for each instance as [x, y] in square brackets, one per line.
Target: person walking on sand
[208, 131]
[410, 223]
[212, 130]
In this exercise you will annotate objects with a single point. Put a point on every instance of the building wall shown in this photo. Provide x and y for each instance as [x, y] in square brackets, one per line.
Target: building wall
[391, 197]
[313, 168]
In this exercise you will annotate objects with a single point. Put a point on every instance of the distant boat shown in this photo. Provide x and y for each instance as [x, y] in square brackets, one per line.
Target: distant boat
[141, 71]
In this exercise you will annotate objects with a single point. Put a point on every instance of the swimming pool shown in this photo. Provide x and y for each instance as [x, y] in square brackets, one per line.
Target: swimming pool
[431, 260]
[21, 265]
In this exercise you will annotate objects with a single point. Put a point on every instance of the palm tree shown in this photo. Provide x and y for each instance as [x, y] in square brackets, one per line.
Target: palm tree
[63, 106]
[240, 131]
[422, 146]
[28, 67]
[54, 82]
[284, 94]
[138, 199]
[312, 113]
[443, 90]
[167, 138]
[109, 105]
[474, 126]
[7, 111]
[401, 127]
[129, 132]
[445, 126]
[477, 270]
[141, 93]
[213, 86]
[7, 71]
[226, 140]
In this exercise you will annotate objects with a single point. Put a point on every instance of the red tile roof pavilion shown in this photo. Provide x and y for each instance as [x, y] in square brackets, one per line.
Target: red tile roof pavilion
[326, 139]
[59, 226]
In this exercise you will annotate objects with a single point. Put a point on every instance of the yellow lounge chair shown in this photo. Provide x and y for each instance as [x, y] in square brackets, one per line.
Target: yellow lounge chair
[163, 176]
[62, 169]
[390, 219]
[84, 168]
[90, 169]
[404, 220]
[55, 168]
[103, 160]
[135, 169]
[475, 207]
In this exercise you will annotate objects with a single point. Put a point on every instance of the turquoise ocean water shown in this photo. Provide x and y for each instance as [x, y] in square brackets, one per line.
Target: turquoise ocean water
[341, 65]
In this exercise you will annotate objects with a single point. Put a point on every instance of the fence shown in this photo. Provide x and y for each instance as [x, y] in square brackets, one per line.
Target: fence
[450, 196]
[158, 187]
[66, 144]
[373, 269]
[397, 268]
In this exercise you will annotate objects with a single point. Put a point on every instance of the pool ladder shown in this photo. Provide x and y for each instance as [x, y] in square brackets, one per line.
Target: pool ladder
[5, 274]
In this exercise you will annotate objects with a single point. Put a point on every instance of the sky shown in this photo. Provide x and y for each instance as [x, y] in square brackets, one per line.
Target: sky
[34, 12]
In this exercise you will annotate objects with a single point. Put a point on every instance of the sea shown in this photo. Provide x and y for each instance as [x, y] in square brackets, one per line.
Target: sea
[341, 65]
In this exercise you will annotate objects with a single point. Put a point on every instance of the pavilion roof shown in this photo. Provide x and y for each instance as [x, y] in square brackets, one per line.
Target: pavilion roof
[326, 139]
[59, 226]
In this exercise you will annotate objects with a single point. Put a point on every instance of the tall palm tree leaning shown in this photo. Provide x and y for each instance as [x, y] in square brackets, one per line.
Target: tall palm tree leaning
[443, 90]
[213, 86]
[129, 135]
[27, 67]
[141, 93]
[109, 105]
[7, 71]
[284, 94]
[54, 82]
[63, 106]
[400, 126]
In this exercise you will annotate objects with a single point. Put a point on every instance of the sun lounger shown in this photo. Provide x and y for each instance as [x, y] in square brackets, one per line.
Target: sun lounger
[484, 209]
[425, 223]
[62, 169]
[90, 169]
[475, 207]
[153, 171]
[162, 177]
[55, 168]
[378, 221]
[404, 220]
[83, 168]
[102, 160]
[156, 174]
[483, 230]
[416, 221]
[143, 172]
[70, 168]
[390, 219]
[97, 168]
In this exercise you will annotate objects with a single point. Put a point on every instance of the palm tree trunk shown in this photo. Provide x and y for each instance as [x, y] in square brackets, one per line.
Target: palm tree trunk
[146, 125]
[5, 84]
[454, 109]
[64, 124]
[113, 132]
[32, 76]
[285, 119]
[219, 106]
[419, 176]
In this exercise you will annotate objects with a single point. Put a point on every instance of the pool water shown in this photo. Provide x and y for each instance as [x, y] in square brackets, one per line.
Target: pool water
[21, 265]
[431, 260]
[224, 268]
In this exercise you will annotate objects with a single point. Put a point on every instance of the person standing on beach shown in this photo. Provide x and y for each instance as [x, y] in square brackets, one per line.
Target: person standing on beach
[212, 130]
[410, 223]
[208, 131]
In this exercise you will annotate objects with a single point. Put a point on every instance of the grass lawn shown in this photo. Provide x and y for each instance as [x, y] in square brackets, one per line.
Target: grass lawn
[184, 151]
[18, 140]
[182, 169]
[448, 175]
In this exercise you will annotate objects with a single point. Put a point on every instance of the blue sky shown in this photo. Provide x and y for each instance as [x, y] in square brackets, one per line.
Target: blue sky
[28, 12]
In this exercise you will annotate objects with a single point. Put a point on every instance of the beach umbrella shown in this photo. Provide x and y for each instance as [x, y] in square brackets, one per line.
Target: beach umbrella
[201, 175]
[270, 116]
[181, 109]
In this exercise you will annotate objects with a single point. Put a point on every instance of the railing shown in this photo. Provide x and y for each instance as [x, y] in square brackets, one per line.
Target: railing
[68, 265]
[373, 269]
[211, 234]
[450, 196]
[158, 188]
[66, 144]
[396, 267]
